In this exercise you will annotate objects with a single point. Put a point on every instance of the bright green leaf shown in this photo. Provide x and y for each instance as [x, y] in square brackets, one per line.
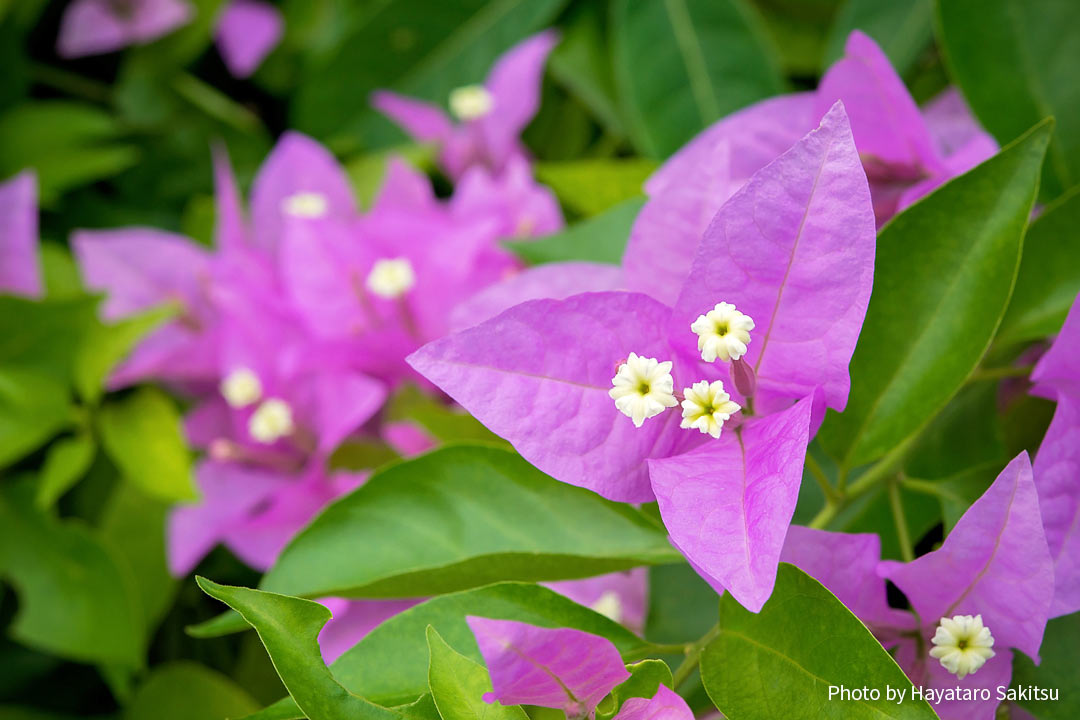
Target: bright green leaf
[1016, 63]
[68, 460]
[106, 345]
[601, 238]
[681, 65]
[75, 600]
[645, 679]
[460, 517]
[188, 691]
[589, 187]
[143, 436]
[458, 685]
[787, 656]
[289, 629]
[943, 275]
[33, 408]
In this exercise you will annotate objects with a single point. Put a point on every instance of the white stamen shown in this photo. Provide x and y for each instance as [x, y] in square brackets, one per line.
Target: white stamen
[643, 388]
[706, 407]
[723, 333]
[391, 278]
[305, 205]
[241, 388]
[271, 421]
[471, 102]
[962, 644]
[609, 605]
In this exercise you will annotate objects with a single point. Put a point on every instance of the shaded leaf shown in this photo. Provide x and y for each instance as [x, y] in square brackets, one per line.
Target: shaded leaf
[188, 691]
[590, 187]
[600, 238]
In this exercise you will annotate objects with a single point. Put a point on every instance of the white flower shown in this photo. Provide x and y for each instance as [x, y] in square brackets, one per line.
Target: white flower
[706, 406]
[471, 102]
[643, 388]
[241, 388]
[391, 278]
[305, 205]
[271, 421]
[723, 333]
[609, 605]
[962, 644]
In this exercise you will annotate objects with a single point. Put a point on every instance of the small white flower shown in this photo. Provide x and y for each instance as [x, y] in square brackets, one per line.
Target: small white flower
[962, 644]
[305, 205]
[241, 388]
[723, 333]
[271, 421]
[609, 605]
[706, 407]
[643, 388]
[391, 278]
[471, 102]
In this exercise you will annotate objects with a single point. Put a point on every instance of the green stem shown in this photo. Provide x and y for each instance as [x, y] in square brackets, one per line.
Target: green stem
[825, 515]
[999, 373]
[215, 104]
[693, 656]
[69, 82]
[897, 507]
[815, 469]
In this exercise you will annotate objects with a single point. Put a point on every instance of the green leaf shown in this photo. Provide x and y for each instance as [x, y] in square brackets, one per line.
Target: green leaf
[1059, 669]
[645, 679]
[1015, 62]
[143, 436]
[45, 335]
[422, 48]
[390, 665]
[75, 600]
[945, 268]
[580, 63]
[33, 408]
[589, 187]
[458, 685]
[680, 65]
[787, 656]
[366, 171]
[872, 513]
[289, 629]
[185, 690]
[67, 143]
[106, 345]
[68, 460]
[966, 433]
[901, 27]
[601, 238]
[411, 404]
[1049, 277]
[461, 517]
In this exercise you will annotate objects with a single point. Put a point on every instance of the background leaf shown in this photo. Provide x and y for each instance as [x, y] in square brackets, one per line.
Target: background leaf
[589, 187]
[944, 273]
[188, 691]
[787, 656]
[902, 28]
[600, 238]
[68, 459]
[33, 407]
[1060, 669]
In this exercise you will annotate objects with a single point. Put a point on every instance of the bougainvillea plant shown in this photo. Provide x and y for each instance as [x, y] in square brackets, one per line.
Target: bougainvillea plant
[512, 360]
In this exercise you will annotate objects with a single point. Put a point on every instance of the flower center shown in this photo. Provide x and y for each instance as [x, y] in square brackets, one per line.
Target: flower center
[643, 388]
[723, 333]
[305, 205]
[391, 278]
[962, 644]
[471, 102]
[706, 407]
[271, 421]
[241, 388]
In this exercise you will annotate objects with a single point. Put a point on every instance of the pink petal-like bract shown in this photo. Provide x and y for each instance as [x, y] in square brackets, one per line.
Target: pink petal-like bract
[626, 593]
[794, 250]
[1058, 371]
[1057, 478]
[554, 280]
[994, 563]
[558, 668]
[728, 504]
[847, 565]
[426, 122]
[20, 273]
[927, 672]
[539, 374]
[230, 223]
[297, 165]
[92, 27]
[352, 620]
[247, 31]
[666, 704]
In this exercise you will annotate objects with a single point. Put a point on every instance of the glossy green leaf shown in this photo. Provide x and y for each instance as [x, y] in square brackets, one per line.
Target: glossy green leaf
[460, 517]
[75, 598]
[390, 664]
[289, 629]
[68, 460]
[1059, 669]
[1016, 63]
[142, 434]
[1049, 277]
[787, 656]
[601, 238]
[680, 65]
[106, 345]
[458, 685]
[903, 28]
[33, 407]
[188, 691]
[944, 272]
[589, 187]
[423, 48]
